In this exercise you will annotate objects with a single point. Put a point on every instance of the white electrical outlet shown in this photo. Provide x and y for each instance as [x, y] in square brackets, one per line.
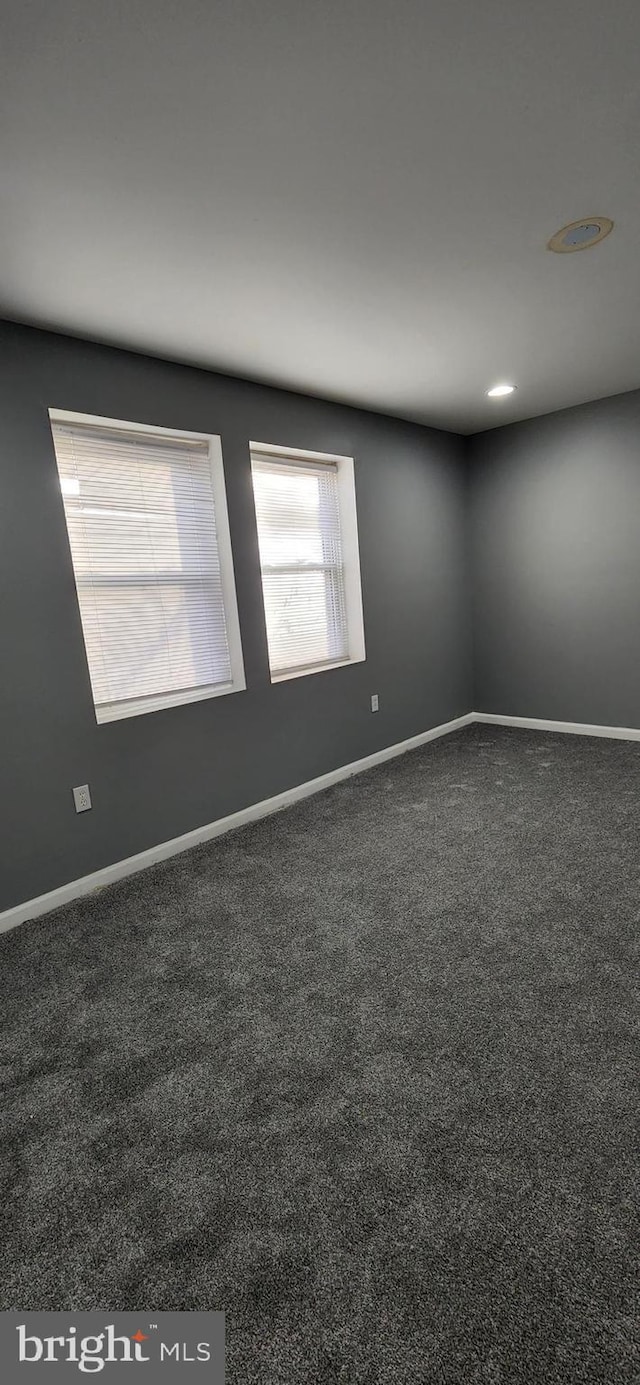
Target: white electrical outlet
[374, 702]
[82, 798]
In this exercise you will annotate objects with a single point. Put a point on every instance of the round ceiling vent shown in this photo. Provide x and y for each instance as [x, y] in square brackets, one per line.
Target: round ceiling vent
[580, 235]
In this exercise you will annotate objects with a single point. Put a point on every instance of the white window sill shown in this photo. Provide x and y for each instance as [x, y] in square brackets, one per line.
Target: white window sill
[119, 710]
[287, 675]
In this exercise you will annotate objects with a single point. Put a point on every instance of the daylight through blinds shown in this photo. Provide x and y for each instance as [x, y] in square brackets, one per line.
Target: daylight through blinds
[298, 515]
[142, 529]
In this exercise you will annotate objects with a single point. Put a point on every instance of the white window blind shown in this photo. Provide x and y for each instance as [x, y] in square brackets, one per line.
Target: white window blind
[300, 515]
[144, 531]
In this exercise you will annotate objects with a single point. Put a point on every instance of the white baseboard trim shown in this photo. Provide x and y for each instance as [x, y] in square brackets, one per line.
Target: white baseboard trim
[33, 908]
[571, 728]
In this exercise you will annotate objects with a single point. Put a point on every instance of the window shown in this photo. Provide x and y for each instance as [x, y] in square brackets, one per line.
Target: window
[308, 537]
[147, 520]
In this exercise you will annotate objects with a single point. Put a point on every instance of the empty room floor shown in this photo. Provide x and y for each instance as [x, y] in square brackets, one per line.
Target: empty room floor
[361, 1074]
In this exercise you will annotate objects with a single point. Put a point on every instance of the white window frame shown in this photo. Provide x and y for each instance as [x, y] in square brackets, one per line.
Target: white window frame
[350, 552]
[157, 703]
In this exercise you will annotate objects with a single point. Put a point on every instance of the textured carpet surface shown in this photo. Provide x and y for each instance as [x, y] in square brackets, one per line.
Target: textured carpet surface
[361, 1074]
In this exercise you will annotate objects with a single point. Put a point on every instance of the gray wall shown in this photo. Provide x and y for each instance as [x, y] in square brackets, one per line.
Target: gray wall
[555, 565]
[157, 776]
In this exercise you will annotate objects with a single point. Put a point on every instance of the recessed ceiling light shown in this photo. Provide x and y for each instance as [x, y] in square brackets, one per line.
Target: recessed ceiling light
[580, 235]
[497, 391]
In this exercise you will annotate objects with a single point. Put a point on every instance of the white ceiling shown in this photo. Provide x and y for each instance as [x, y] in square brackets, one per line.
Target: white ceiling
[347, 197]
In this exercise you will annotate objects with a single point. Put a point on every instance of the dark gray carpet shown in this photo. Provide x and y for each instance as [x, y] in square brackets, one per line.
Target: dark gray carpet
[361, 1074]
